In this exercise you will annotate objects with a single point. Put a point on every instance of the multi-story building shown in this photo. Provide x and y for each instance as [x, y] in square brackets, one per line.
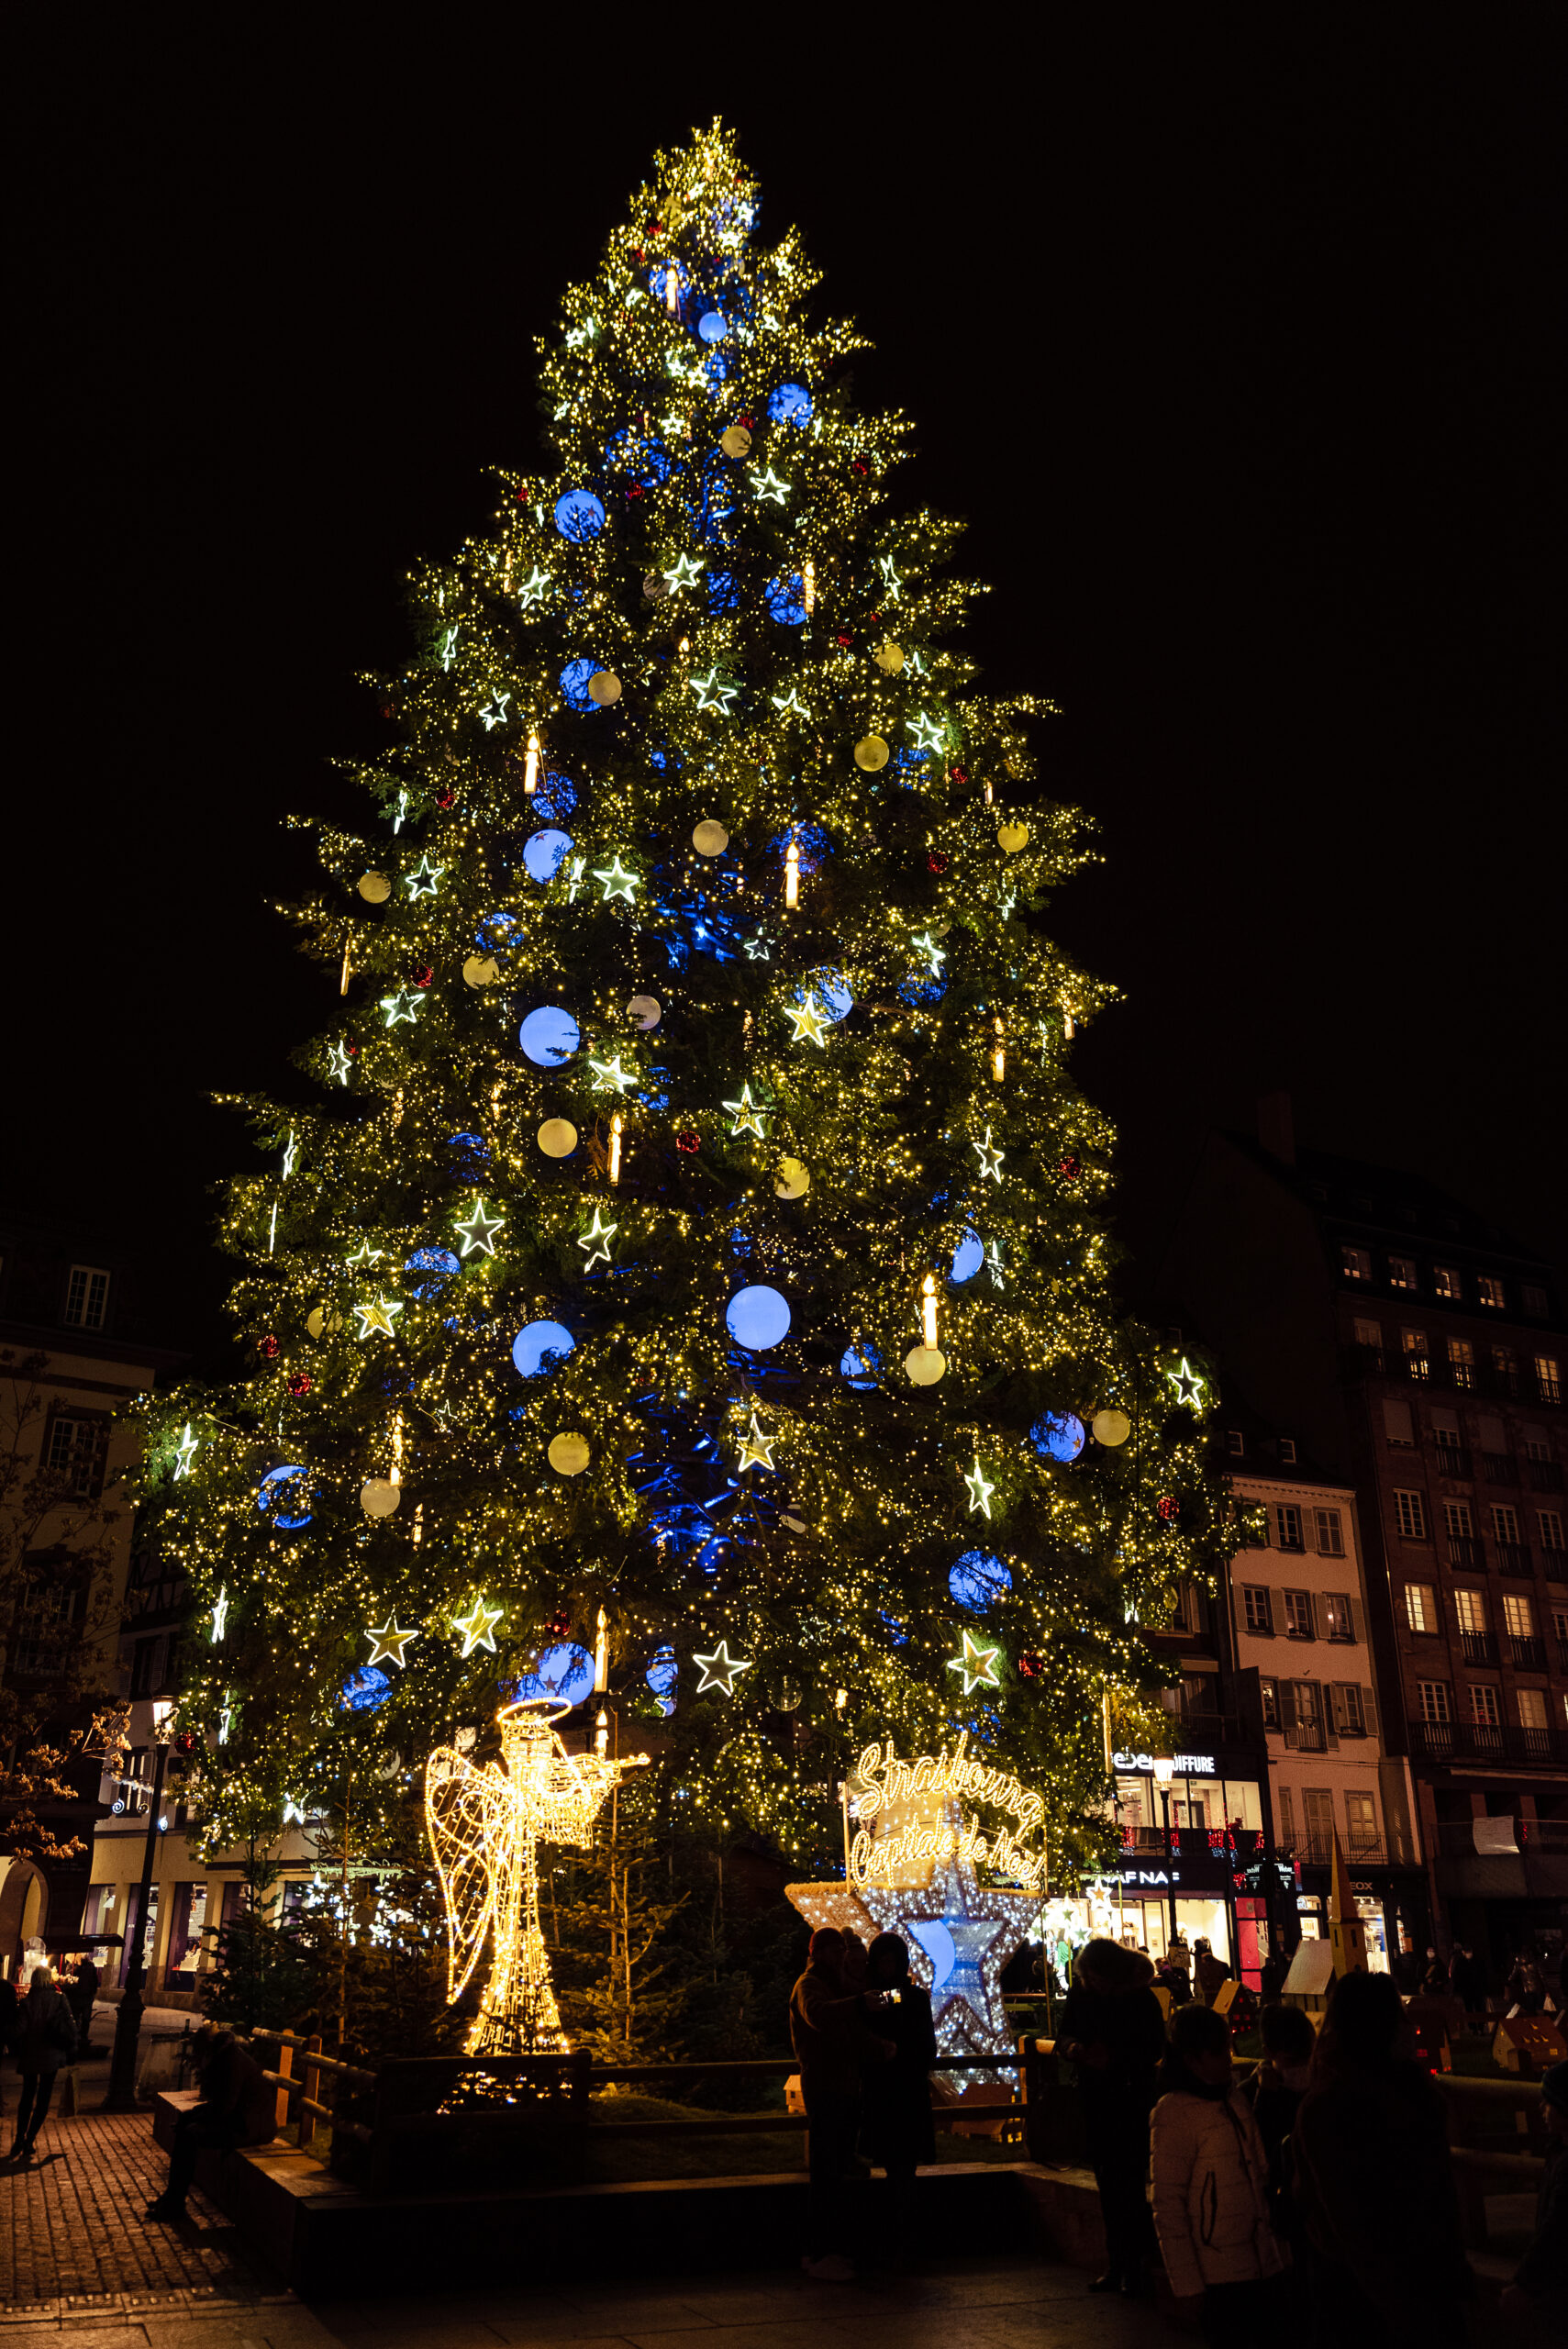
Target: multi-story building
[1421, 1354]
[1299, 1616]
[72, 1355]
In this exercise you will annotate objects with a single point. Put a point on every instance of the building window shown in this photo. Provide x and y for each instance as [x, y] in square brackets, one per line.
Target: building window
[1421, 1607]
[1398, 1428]
[1360, 1822]
[1470, 1607]
[1489, 1289]
[1461, 1361]
[1457, 1522]
[1304, 1726]
[86, 1297]
[1505, 1522]
[1417, 1362]
[1484, 1705]
[1256, 1612]
[1436, 1704]
[74, 1454]
[1370, 1333]
[1337, 1621]
[1534, 1301]
[1547, 1384]
[1518, 1616]
[1410, 1513]
[1269, 1690]
[1531, 1703]
[152, 1666]
[1550, 1527]
[1356, 1264]
[1536, 1446]
[1287, 1450]
[1349, 1720]
[1233, 1442]
[1298, 1614]
[45, 1624]
[1287, 1527]
[1401, 1272]
[1331, 1533]
[1447, 1283]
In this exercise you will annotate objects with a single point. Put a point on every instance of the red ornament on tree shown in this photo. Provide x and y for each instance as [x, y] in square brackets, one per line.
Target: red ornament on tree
[267, 1347]
[1071, 1170]
[936, 862]
[558, 1626]
[746, 422]
[845, 641]
[634, 491]
[1170, 1509]
[1030, 1666]
[422, 974]
[301, 1383]
[859, 466]
[959, 774]
[445, 798]
[688, 1141]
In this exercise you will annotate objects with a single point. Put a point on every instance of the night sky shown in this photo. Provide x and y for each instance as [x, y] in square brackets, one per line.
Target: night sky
[1239, 353]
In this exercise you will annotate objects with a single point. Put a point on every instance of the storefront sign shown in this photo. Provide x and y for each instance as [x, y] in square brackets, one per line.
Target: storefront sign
[935, 1786]
[1182, 1765]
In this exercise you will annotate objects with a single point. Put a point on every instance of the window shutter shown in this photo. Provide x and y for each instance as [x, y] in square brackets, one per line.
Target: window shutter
[1326, 1714]
[1287, 1712]
[1320, 1613]
[1397, 1425]
[1494, 1434]
[1445, 1423]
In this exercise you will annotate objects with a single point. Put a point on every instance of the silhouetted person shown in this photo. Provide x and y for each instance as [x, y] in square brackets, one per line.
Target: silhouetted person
[1275, 2094]
[1434, 1978]
[1524, 1987]
[1468, 1979]
[831, 2038]
[1112, 2029]
[1209, 1973]
[46, 2037]
[896, 2130]
[1212, 2210]
[239, 2107]
[82, 1994]
[1374, 2181]
[1540, 2282]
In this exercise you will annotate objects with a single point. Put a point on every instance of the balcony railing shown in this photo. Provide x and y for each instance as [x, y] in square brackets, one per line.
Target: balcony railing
[1479, 1647]
[1433, 1370]
[1512, 1557]
[1529, 1655]
[1453, 1459]
[1563, 1656]
[1318, 1851]
[1545, 1476]
[1464, 1550]
[1486, 1742]
[1498, 1468]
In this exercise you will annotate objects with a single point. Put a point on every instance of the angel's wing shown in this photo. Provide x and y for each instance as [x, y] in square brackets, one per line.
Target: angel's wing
[465, 1813]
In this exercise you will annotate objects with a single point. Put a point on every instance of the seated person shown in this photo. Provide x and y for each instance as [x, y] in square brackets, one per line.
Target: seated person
[239, 2107]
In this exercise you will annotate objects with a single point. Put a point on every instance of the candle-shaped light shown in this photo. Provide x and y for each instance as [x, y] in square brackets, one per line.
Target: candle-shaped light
[672, 289]
[792, 872]
[1067, 1027]
[396, 1477]
[531, 765]
[998, 1050]
[602, 1734]
[602, 1659]
[929, 1309]
[418, 1524]
[615, 1147]
[808, 584]
[343, 982]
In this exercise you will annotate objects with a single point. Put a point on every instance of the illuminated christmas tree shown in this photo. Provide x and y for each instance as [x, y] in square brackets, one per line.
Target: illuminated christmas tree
[691, 1258]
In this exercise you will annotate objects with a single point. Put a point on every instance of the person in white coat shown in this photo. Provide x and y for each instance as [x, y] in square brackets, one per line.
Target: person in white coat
[1211, 2193]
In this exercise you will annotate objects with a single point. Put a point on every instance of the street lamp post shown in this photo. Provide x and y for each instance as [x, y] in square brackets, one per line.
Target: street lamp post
[127, 2023]
[1164, 1771]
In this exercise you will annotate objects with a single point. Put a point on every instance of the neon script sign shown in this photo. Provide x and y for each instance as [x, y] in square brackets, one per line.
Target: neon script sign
[939, 1785]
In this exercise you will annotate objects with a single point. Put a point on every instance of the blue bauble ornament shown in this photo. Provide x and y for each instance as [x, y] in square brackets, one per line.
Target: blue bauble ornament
[967, 1258]
[757, 1318]
[545, 852]
[579, 516]
[978, 1580]
[540, 1345]
[1058, 1436]
[549, 1036]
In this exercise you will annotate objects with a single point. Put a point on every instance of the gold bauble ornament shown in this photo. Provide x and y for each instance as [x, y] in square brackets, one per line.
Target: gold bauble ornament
[379, 1496]
[1111, 1427]
[889, 659]
[482, 970]
[604, 686]
[319, 1322]
[558, 1137]
[645, 1009]
[374, 889]
[710, 839]
[925, 1364]
[736, 442]
[1012, 837]
[568, 1454]
[655, 587]
[872, 754]
[793, 1180]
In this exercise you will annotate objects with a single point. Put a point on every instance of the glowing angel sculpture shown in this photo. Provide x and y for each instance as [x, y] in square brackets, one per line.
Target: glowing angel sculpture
[486, 1825]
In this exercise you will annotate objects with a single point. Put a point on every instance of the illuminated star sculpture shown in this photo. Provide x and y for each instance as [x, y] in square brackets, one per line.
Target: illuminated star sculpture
[935, 955]
[748, 1115]
[685, 575]
[401, 1005]
[618, 880]
[977, 1662]
[962, 1935]
[610, 1077]
[990, 1158]
[713, 692]
[789, 704]
[339, 1062]
[767, 486]
[980, 1492]
[493, 714]
[365, 1255]
[378, 1317]
[1189, 1386]
[387, 1642]
[532, 588]
[477, 1628]
[219, 1615]
[926, 733]
[421, 882]
[756, 1452]
[185, 1450]
[479, 1230]
[486, 1827]
[597, 1233]
[808, 1019]
[718, 1670]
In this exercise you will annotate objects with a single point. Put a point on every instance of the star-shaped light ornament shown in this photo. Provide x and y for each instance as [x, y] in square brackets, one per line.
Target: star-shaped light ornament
[533, 589]
[387, 1642]
[494, 712]
[477, 1628]
[185, 1449]
[993, 1264]
[685, 575]
[789, 704]
[935, 955]
[294, 1812]
[977, 1662]
[926, 733]
[756, 1449]
[421, 882]
[365, 1255]
[770, 488]
[713, 692]
[964, 1935]
[595, 1238]
[980, 1492]
[808, 1019]
[379, 1317]
[718, 1670]
[1189, 1386]
[339, 1062]
[990, 1158]
[477, 1230]
[748, 1115]
[401, 1005]
[890, 578]
[220, 1615]
[618, 880]
[610, 1077]
[449, 647]
[757, 949]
